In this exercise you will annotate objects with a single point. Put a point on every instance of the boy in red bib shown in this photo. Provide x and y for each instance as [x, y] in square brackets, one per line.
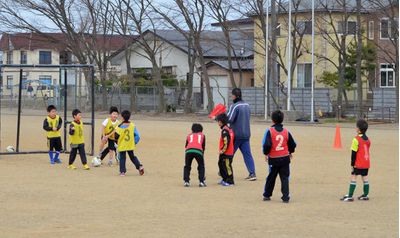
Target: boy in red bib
[360, 162]
[194, 149]
[278, 147]
[226, 151]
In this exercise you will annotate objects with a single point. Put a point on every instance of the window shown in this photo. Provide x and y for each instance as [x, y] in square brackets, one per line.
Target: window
[44, 57]
[351, 27]
[387, 75]
[24, 82]
[45, 79]
[24, 57]
[304, 27]
[9, 81]
[304, 75]
[371, 30]
[385, 28]
[9, 57]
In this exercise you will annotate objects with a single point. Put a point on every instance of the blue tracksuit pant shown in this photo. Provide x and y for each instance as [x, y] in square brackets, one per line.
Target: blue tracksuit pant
[244, 146]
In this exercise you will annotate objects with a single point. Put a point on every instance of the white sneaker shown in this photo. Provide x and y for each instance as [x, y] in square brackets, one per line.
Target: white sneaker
[202, 184]
[186, 184]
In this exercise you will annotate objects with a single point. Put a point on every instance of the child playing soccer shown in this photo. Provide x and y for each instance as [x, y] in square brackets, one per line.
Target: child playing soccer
[127, 137]
[360, 162]
[108, 135]
[226, 151]
[77, 140]
[194, 149]
[278, 147]
[52, 124]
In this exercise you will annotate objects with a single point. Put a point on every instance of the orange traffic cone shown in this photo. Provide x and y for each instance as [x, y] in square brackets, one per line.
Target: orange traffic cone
[338, 141]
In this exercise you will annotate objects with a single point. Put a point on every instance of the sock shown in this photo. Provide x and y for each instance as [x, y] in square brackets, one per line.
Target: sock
[366, 188]
[51, 155]
[56, 158]
[352, 188]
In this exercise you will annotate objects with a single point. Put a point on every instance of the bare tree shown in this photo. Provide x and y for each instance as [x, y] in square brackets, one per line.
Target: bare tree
[82, 25]
[124, 28]
[140, 14]
[358, 65]
[389, 52]
[336, 36]
[220, 10]
[172, 18]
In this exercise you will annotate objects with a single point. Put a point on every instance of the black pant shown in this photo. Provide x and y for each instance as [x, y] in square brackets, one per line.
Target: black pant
[54, 143]
[110, 147]
[225, 168]
[281, 168]
[122, 160]
[188, 166]
[82, 154]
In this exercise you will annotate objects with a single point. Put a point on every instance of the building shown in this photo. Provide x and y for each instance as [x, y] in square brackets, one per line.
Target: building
[173, 51]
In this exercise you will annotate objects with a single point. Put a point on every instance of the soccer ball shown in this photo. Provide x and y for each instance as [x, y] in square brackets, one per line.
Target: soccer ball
[96, 162]
[10, 148]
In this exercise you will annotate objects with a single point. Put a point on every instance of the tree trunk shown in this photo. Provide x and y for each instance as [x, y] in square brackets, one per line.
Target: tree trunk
[274, 75]
[358, 66]
[228, 51]
[156, 73]
[204, 75]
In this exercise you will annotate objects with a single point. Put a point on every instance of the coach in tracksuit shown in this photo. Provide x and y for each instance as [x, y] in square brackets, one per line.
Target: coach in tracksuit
[239, 120]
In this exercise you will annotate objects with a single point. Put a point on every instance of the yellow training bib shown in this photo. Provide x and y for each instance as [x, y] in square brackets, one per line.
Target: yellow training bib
[126, 140]
[77, 138]
[53, 123]
[110, 128]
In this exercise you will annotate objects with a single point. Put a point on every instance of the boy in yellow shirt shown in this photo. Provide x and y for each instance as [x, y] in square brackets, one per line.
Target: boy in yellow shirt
[52, 125]
[127, 137]
[77, 140]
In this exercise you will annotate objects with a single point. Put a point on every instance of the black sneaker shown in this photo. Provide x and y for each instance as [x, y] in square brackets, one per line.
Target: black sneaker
[363, 197]
[251, 177]
[285, 201]
[347, 198]
[266, 199]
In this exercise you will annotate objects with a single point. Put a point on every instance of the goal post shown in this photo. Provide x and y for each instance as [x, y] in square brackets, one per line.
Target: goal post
[67, 75]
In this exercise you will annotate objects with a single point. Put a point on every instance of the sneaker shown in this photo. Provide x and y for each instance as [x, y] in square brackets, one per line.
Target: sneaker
[225, 184]
[141, 170]
[251, 177]
[202, 184]
[57, 161]
[52, 161]
[71, 166]
[285, 201]
[266, 199]
[122, 174]
[186, 184]
[110, 163]
[347, 198]
[363, 197]
[86, 167]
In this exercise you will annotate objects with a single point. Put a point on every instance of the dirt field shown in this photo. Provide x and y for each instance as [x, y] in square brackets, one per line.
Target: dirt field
[40, 200]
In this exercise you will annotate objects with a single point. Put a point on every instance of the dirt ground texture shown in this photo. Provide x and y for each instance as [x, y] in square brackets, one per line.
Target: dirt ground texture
[42, 200]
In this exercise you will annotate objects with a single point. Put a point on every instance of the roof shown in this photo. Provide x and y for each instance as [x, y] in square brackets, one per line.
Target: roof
[305, 6]
[242, 21]
[212, 42]
[57, 41]
[244, 64]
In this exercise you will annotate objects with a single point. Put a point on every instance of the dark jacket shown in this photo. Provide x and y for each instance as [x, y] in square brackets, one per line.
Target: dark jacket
[239, 119]
[267, 144]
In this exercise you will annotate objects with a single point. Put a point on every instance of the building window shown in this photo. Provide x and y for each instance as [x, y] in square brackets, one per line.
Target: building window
[351, 27]
[9, 57]
[304, 27]
[371, 30]
[45, 80]
[24, 57]
[44, 57]
[387, 75]
[389, 28]
[304, 75]
[24, 82]
[9, 81]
